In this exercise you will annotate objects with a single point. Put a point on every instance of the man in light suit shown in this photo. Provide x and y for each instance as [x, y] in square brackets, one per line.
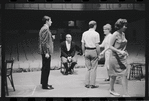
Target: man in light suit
[68, 49]
[46, 49]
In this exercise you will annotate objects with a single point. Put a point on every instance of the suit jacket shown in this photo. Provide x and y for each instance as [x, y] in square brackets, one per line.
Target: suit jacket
[64, 51]
[45, 40]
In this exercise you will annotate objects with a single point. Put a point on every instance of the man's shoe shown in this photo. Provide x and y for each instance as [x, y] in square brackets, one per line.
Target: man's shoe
[66, 73]
[48, 88]
[87, 86]
[49, 85]
[107, 79]
[70, 72]
[93, 86]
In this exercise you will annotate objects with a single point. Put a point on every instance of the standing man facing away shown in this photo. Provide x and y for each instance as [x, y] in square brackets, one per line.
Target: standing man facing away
[90, 47]
[46, 49]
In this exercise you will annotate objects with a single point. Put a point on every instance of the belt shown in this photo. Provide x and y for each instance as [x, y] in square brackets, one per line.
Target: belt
[90, 48]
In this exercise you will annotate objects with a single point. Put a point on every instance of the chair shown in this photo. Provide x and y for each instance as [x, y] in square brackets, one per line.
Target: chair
[136, 71]
[9, 74]
[63, 69]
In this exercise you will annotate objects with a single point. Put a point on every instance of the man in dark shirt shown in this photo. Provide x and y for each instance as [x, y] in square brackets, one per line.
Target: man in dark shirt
[68, 49]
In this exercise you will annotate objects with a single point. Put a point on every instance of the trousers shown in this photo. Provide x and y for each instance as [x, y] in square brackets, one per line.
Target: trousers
[91, 63]
[45, 71]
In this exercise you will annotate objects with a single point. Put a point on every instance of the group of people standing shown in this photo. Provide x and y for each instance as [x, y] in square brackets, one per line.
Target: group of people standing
[114, 52]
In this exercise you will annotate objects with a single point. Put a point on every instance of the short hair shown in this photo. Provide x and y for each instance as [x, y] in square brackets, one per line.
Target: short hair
[108, 26]
[120, 23]
[92, 24]
[68, 34]
[45, 18]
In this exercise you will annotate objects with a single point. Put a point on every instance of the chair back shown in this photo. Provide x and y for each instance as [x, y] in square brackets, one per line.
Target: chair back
[9, 67]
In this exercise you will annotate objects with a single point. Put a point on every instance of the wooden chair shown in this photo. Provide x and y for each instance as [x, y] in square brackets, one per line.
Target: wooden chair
[9, 74]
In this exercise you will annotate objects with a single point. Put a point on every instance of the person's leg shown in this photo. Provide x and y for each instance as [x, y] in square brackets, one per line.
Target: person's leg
[46, 71]
[112, 82]
[43, 60]
[107, 67]
[74, 62]
[88, 66]
[64, 61]
[125, 85]
[129, 69]
[108, 78]
[48, 67]
[94, 63]
[107, 59]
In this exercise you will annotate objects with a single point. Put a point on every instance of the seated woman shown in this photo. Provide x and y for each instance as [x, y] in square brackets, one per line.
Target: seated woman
[68, 49]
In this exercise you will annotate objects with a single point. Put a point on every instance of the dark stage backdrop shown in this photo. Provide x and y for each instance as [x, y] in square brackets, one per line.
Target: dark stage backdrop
[22, 28]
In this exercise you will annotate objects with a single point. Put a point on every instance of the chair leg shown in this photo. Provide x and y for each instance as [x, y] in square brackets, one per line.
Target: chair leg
[12, 83]
[6, 87]
[140, 72]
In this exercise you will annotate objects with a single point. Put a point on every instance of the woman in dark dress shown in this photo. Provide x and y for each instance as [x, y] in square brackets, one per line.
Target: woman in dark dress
[118, 59]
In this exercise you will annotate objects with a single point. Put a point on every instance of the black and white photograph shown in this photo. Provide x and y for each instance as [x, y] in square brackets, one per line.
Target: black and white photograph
[75, 50]
[0, 53]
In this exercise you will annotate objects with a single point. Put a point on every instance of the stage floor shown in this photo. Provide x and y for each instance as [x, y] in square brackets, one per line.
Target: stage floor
[27, 84]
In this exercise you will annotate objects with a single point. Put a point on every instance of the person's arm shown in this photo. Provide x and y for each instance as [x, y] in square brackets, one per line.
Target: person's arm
[102, 45]
[97, 41]
[73, 50]
[62, 51]
[83, 48]
[45, 35]
[125, 45]
[83, 44]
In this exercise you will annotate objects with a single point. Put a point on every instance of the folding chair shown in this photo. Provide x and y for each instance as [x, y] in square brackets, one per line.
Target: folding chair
[9, 74]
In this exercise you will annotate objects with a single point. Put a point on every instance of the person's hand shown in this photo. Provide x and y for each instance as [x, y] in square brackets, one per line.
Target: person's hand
[123, 52]
[83, 54]
[102, 53]
[53, 36]
[47, 55]
[126, 53]
[69, 58]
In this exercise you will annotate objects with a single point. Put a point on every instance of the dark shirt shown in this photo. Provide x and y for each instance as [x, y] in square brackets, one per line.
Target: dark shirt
[71, 52]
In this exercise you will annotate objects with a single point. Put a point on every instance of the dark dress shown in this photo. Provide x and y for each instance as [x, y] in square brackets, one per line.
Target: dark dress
[115, 67]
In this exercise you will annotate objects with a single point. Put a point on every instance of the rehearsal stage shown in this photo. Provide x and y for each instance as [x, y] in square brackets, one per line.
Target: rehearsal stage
[27, 65]
[21, 43]
[27, 73]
